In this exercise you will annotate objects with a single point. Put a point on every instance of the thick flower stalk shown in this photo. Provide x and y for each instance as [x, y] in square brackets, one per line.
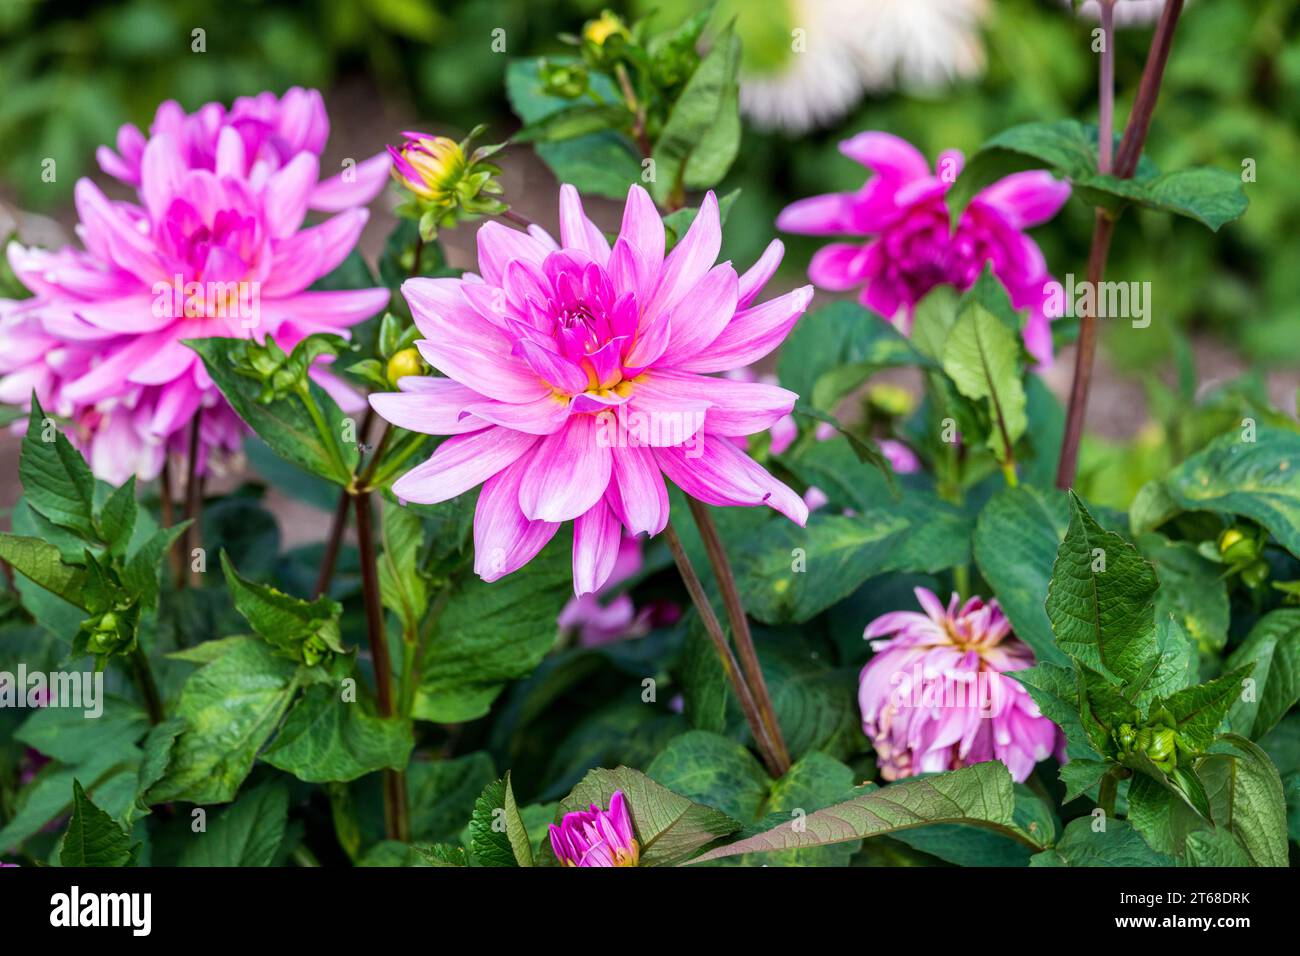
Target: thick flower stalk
[935, 696]
[597, 837]
[207, 252]
[911, 246]
[577, 378]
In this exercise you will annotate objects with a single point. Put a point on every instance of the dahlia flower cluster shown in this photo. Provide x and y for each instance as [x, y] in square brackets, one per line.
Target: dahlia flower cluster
[577, 379]
[597, 837]
[935, 696]
[911, 247]
[214, 246]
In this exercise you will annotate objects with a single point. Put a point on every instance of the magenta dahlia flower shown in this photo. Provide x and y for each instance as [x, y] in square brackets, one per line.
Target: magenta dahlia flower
[597, 837]
[208, 252]
[934, 697]
[914, 249]
[272, 131]
[577, 378]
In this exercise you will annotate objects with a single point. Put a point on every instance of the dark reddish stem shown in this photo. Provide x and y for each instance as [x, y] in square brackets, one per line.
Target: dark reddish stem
[1126, 161]
[193, 501]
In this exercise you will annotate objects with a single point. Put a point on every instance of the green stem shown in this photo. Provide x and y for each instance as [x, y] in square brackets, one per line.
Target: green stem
[148, 686]
[1107, 792]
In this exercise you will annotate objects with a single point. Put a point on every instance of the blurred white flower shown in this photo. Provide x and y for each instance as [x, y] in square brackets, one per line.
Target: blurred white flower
[835, 50]
[1128, 13]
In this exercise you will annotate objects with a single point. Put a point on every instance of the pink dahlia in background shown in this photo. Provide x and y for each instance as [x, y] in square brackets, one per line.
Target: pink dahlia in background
[597, 837]
[577, 378]
[208, 252]
[934, 697]
[598, 619]
[911, 246]
[272, 131]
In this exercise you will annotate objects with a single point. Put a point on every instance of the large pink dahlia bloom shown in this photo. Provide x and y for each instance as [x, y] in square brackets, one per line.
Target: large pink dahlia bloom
[207, 252]
[577, 378]
[913, 248]
[272, 131]
[935, 697]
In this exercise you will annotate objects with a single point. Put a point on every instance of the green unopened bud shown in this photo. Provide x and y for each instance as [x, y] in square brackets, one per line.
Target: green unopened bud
[566, 80]
[314, 650]
[1126, 736]
[606, 27]
[1237, 547]
[404, 363]
[890, 400]
[1255, 574]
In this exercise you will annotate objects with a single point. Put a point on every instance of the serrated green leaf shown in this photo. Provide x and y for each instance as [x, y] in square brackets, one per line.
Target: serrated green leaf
[1117, 845]
[43, 564]
[1246, 797]
[246, 833]
[93, 838]
[57, 483]
[498, 835]
[325, 739]
[982, 356]
[1198, 711]
[1273, 645]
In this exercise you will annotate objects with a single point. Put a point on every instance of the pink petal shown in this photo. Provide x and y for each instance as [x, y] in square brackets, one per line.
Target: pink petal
[596, 537]
[577, 231]
[162, 173]
[368, 178]
[567, 474]
[637, 492]
[827, 215]
[436, 408]
[757, 275]
[552, 367]
[503, 377]
[718, 473]
[734, 408]
[307, 255]
[886, 154]
[540, 417]
[690, 259]
[644, 231]
[460, 463]
[752, 334]
[284, 202]
[504, 540]
[498, 244]
[701, 316]
[1026, 199]
[839, 266]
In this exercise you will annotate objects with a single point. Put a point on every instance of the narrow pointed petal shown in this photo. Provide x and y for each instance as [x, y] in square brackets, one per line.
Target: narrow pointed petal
[596, 537]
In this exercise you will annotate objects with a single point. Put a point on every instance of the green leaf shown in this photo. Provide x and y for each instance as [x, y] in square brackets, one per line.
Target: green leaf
[791, 574]
[325, 739]
[1198, 711]
[230, 707]
[442, 793]
[67, 735]
[1080, 776]
[834, 349]
[498, 834]
[43, 564]
[56, 481]
[575, 121]
[1055, 691]
[1259, 479]
[1273, 645]
[982, 356]
[1162, 815]
[1246, 797]
[1215, 847]
[815, 781]
[117, 518]
[669, 828]
[1068, 148]
[92, 837]
[676, 223]
[980, 795]
[299, 630]
[489, 634]
[401, 588]
[966, 845]
[1104, 617]
[285, 424]
[712, 770]
[140, 573]
[701, 137]
[1191, 588]
[1117, 845]
[246, 833]
[1016, 541]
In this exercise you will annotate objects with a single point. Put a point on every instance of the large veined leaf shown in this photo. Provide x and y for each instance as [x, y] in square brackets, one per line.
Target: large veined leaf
[712, 770]
[1191, 588]
[1016, 540]
[1246, 797]
[42, 563]
[1117, 845]
[834, 349]
[1069, 148]
[57, 483]
[325, 739]
[492, 633]
[498, 835]
[93, 838]
[791, 574]
[1198, 711]
[231, 707]
[1259, 479]
[980, 795]
[246, 833]
[982, 357]
[1274, 646]
[670, 829]
[1101, 601]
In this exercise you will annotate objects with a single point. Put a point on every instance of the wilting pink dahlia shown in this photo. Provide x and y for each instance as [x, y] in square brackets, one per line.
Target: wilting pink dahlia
[913, 248]
[577, 379]
[597, 837]
[272, 131]
[208, 252]
[934, 696]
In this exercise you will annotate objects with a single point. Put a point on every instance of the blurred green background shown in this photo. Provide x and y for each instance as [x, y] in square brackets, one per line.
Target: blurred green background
[73, 71]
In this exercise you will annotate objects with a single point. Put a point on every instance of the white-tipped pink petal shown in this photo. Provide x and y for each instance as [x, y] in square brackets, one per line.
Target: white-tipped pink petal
[716, 472]
[352, 187]
[504, 540]
[756, 276]
[433, 406]
[567, 474]
[701, 315]
[596, 538]
[460, 463]
[637, 492]
[753, 333]
[577, 231]
[690, 259]
[287, 191]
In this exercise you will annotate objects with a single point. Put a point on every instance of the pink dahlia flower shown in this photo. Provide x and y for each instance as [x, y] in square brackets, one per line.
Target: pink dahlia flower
[914, 249]
[934, 697]
[577, 378]
[598, 619]
[272, 131]
[218, 252]
[597, 837]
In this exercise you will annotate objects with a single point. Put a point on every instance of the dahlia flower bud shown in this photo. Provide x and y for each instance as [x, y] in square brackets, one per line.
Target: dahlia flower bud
[597, 837]
[446, 181]
[935, 697]
[566, 80]
[604, 38]
[404, 363]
